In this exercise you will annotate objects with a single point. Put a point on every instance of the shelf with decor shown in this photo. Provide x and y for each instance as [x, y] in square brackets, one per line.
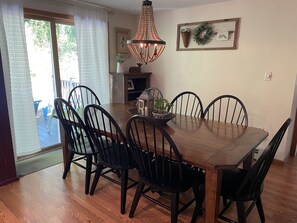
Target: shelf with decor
[127, 87]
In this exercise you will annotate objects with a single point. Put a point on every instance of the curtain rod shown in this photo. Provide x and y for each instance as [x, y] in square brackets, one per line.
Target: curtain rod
[71, 2]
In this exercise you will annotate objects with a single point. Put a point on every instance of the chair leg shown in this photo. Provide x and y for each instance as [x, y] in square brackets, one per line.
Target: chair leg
[95, 159]
[137, 195]
[241, 212]
[88, 173]
[124, 182]
[174, 207]
[260, 209]
[118, 173]
[199, 193]
[68, 163]
[96, 178]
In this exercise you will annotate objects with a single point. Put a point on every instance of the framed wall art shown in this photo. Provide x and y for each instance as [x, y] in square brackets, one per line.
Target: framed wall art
[130, 85]
[208, 35]
[122, 35]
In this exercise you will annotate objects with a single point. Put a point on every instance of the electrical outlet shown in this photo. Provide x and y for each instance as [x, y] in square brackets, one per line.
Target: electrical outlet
[267, 76]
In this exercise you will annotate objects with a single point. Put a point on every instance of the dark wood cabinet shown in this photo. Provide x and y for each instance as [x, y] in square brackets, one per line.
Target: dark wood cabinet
[127, 87]
[7, 164]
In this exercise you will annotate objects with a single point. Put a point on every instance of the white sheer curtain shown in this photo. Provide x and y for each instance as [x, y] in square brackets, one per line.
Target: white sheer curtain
[17, 78]
[92, 44]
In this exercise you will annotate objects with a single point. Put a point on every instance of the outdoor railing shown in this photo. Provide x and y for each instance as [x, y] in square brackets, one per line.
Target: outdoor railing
[67, 86]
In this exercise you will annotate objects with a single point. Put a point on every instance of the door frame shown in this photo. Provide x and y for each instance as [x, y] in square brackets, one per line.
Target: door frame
[294, 138]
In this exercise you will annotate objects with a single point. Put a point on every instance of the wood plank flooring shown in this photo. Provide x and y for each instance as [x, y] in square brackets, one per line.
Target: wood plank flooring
[46, 198]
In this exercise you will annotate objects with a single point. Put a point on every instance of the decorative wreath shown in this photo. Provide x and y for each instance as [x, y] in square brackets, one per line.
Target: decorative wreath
[203, 33]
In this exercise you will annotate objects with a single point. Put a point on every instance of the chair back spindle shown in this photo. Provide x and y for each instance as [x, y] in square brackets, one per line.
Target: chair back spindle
[107, 137]
[81, 96]
[187, 103]
[227, 108]
[156, 155]
[74, 127]
[154, 92]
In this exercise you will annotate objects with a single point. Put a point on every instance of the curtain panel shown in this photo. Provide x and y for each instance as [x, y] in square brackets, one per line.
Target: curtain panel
[92, 46]
[17, 78]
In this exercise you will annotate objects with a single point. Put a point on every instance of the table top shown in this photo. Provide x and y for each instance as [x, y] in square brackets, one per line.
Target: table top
[203, 143]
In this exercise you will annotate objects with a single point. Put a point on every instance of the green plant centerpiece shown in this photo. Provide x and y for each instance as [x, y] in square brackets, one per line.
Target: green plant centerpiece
[161, 108]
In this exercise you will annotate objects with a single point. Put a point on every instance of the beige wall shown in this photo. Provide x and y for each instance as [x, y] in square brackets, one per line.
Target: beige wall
[120, 20]
[267, 43]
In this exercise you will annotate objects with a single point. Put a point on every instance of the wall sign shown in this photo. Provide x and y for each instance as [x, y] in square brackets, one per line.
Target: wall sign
[208, 35]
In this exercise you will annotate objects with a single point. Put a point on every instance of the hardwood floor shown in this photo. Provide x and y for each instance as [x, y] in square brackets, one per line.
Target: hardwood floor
[45, 197]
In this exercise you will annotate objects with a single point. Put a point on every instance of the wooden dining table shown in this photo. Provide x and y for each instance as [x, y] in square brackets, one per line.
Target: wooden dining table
[207, 144]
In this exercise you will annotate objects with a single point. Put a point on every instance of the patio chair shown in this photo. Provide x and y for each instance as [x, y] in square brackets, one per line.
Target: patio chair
[36, 105]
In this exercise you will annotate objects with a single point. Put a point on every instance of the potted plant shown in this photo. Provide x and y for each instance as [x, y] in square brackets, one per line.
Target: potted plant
[185, 34]
[161, 108]
[120, 60]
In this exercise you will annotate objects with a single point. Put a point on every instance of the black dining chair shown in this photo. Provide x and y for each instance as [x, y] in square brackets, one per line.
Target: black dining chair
[154, 92]
[79, 142]
[161, 168]
[113, 150]
[187, 103]
[240, 186]
[81, 96]
[227, 108]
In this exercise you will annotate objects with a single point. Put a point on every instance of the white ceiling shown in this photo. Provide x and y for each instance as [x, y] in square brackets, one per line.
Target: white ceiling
[133, 6]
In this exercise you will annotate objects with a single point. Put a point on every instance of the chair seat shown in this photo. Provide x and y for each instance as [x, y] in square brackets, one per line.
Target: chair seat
[87, 151]
[190, 175]
[116, 156]
[247, 185]
[232, 180]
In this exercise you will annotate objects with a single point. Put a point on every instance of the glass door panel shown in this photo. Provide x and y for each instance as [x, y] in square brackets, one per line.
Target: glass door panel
[68, 61]
[40, 54]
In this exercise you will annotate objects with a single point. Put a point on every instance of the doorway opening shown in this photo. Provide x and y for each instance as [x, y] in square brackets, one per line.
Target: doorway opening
[53, 64]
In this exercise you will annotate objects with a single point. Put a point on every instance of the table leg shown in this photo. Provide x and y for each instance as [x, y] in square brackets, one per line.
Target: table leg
[212, 194]
[247, 163]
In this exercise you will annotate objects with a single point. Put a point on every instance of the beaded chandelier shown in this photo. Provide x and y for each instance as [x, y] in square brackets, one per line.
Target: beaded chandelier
[146, 46]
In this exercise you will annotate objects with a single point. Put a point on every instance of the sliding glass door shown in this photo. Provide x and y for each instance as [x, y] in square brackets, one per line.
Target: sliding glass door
[52, 54]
